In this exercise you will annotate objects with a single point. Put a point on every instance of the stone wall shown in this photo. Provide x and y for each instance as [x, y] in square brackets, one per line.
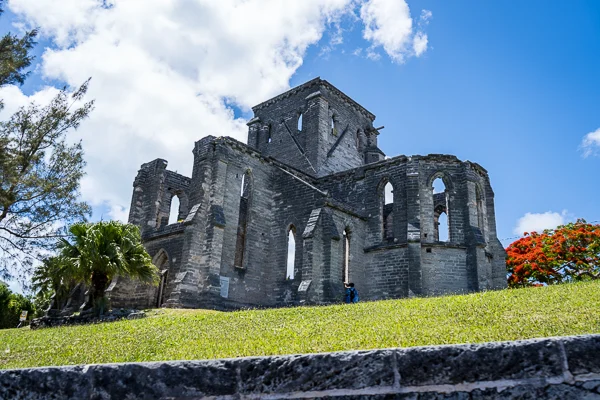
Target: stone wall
[553, 368]
[228, 253]
[334, 135]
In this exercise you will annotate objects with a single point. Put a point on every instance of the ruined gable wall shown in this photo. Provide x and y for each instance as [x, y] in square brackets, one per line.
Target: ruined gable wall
[343, 148]
[293, 202]
[467, 262]
[153, 189]
[382, 268]
[314, 147]
[278, 119]
[276, 201]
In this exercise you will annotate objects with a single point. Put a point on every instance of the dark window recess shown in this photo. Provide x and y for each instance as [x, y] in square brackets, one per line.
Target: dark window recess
[240, 245]
[388, 213]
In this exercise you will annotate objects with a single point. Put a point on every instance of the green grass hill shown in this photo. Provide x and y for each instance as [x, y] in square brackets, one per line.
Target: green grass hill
[568, 309]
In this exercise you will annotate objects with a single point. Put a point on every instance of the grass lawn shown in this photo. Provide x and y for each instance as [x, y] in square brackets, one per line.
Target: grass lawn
[199, 334]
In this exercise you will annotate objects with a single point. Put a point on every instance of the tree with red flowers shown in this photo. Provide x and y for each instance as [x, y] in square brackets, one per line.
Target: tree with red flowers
[568, 253]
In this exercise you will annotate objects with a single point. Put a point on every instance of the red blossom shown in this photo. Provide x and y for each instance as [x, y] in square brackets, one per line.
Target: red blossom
[570, 252]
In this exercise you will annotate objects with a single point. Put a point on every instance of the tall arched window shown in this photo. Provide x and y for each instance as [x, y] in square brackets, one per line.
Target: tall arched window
[291, 253]
[333, 127]
[346, 256]
[387, 212]
[441, 227]
[161, 260]
[174, 211]
[268, 133]
[245, 197]
[300, 122]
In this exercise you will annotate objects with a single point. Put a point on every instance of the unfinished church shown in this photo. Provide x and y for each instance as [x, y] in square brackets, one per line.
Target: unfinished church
[289, 217]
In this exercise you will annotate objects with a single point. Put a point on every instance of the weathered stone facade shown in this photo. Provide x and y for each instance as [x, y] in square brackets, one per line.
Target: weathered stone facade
[562, 368]
[323, 179]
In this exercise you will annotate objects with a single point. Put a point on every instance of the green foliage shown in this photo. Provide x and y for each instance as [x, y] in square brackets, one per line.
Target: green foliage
[39, 170]
[200, 334]
[15, 57]
[568, 253]
[96, 252]
[52, 280]
[11, 305]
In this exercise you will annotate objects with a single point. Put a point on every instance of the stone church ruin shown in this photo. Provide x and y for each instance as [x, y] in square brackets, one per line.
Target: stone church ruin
[311, 186]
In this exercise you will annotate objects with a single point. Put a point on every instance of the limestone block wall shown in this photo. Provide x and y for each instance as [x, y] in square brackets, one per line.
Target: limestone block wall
[334, 134]
[323, 180]
[550, 368]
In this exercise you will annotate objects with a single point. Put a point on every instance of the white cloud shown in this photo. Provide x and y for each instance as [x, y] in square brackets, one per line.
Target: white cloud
[388, 24]
[420, 39]
[420, 43]
[590, 145]
[373, 55]
[121, 213]
[164, 72]
[537, 222]
[425, 17]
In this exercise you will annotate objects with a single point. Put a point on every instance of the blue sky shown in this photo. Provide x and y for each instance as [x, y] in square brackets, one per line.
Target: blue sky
[511, 85]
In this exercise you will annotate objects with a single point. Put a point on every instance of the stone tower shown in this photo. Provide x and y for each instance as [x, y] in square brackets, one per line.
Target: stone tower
[312, 178]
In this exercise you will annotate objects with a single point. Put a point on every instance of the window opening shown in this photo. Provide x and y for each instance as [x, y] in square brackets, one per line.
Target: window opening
[161, 288]
[161, 260]
[346, 249]
[440, 211]
[291, 253]
[388, 212]
[246, 190]
[300, 123]
[443, 227]
[174, 211]
[333, 130]
[269, 133]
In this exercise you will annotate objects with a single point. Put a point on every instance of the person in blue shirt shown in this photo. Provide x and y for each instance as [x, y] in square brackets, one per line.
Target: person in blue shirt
[351, 295]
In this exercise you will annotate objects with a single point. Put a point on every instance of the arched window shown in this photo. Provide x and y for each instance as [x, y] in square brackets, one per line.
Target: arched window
[388, 213]
[333, 125]
[269, 133]
[161, 260]
[245, 197]
[357, 139]
[291, 253]
[441, 228]
[300, 122]
[346, 255]
[174, 212]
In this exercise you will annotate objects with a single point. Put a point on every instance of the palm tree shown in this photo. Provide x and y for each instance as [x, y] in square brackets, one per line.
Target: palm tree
[101, 250]
[52, 281]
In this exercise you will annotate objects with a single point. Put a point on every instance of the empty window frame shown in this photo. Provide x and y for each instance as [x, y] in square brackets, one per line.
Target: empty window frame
[387, 212]
[346, 255]
[161, 261]
[441, 226]
[245, 196]
[333, 125]
[174, 211]
[291, 253]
